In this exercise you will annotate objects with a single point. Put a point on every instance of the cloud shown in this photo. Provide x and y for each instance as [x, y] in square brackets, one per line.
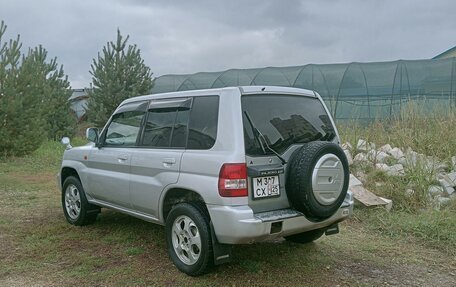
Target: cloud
[193, 36]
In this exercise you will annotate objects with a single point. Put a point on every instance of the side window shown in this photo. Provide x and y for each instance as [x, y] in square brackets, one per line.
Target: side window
[166, 128]
[124, 128]
[158, 128]
[179, 138]
[203, 122]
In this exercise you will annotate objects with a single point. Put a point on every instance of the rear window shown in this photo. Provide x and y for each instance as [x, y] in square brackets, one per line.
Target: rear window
[284, 120]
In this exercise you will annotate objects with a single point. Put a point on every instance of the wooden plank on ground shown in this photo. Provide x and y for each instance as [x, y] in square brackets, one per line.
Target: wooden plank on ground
[365, 196]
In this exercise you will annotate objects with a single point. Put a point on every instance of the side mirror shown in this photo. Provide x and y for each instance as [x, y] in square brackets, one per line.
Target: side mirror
[66, 141]
[92, 135]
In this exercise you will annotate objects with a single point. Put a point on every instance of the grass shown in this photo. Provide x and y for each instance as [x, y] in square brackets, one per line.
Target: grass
[46, 158]
[134, 251]
[430, 132]
[428, 227]
[395, 187]
[38, 247]
[414, 216]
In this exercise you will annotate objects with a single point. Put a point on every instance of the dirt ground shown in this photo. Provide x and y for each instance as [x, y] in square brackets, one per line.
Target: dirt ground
[38, 248]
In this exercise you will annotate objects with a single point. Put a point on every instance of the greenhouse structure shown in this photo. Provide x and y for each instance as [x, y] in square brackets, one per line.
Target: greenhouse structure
[359, 91]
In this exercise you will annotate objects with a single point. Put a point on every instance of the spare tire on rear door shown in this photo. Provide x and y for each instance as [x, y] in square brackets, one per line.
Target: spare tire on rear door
[317, 179]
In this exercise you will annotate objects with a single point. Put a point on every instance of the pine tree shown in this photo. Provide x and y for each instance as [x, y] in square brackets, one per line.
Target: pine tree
[54, 94]
[118, 73]
[19, 122]
[33, 98]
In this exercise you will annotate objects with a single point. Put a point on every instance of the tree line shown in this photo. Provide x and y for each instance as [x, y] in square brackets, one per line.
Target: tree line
[34, 91]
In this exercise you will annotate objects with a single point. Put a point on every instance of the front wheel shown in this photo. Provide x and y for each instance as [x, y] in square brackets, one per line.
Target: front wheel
[189, 239]
[305, 237]
[76, 208]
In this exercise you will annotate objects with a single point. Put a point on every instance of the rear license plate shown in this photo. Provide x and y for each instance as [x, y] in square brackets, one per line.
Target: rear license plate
[266, 186]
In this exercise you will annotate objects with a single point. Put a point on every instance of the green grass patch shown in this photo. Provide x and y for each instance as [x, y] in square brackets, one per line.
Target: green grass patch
[47, 157]
[131, 251]
[251, 266]
[430, 227]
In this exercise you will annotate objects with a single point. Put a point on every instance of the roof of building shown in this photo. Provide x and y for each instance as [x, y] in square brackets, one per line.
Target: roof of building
[447, 54]
[78, 93]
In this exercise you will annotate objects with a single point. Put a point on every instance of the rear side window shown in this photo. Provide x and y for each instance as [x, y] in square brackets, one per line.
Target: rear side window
[284, 120]
[203, 122]
[166, 128]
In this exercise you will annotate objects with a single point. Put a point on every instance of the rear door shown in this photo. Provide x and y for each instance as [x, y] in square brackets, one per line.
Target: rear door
[108, 179]
[156, 162]
[286, 122]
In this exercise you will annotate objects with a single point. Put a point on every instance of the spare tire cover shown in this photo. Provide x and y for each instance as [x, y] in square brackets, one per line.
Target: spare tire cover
[317, 179]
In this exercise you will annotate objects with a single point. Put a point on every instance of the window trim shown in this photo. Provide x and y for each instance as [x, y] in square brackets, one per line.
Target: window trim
[171, 103]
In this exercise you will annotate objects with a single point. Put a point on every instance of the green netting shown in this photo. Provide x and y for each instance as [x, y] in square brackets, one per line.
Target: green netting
[351, 91]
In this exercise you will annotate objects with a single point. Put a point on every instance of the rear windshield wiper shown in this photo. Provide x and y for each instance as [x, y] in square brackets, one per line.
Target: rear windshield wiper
[262, 140]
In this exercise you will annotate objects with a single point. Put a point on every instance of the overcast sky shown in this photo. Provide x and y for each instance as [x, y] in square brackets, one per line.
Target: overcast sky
[178, 37]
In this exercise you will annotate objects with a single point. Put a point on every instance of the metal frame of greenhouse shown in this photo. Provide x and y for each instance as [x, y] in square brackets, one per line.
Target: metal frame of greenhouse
[351, 91]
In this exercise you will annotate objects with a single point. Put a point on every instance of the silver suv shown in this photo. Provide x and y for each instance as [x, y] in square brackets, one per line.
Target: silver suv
[217, 167]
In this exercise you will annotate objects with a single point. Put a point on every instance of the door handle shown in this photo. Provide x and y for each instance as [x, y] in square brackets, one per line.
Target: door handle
[122, 157]
[169, 160]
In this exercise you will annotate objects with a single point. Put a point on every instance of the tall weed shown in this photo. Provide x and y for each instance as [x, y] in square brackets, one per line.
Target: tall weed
[427, 130]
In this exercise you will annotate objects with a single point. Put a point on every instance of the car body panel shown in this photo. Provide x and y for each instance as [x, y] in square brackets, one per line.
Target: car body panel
[109, 175]
[151, 171]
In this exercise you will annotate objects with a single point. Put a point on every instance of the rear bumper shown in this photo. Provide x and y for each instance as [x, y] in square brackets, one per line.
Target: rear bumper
[239, 225]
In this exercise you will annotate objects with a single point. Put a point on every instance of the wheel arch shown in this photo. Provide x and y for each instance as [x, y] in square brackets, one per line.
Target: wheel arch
[67, 171]
[177, 195]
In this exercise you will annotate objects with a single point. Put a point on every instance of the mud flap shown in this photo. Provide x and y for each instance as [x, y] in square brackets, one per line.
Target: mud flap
[222, 252]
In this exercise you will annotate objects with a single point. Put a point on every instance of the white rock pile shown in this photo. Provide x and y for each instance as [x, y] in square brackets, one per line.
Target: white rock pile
[396, 162]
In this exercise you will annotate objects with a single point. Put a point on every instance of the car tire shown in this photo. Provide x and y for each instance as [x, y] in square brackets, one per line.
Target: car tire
[77, 210]
[305, 237]
[309, 168]
[188, 237]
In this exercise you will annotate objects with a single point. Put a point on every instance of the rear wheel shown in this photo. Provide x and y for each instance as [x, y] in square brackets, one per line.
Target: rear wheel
[305, 237]
[76, 208]
[189, 239]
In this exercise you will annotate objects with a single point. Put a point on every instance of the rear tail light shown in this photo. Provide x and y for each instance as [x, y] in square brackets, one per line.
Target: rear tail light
[233, 180]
